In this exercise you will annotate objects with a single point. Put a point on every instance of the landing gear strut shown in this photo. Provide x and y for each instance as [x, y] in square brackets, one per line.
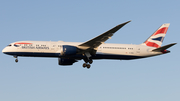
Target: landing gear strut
[87, 60]
[16, 60]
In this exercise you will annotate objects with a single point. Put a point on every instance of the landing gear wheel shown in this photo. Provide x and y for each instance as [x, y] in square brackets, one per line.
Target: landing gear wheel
[16, 60]
[88, 66]
[84, 65]
[87, 63]
[90, 61]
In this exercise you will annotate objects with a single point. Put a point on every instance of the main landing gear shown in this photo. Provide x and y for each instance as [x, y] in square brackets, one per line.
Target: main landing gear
[16, 60]
[87, 60]
[86, 63]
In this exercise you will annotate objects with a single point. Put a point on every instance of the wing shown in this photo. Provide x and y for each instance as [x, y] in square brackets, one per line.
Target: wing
[97, 41]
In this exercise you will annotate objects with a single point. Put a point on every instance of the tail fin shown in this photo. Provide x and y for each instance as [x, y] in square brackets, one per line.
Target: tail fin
[156, 39]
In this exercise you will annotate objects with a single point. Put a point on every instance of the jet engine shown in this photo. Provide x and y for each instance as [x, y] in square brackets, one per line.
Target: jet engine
[69, 50]
[62, 61]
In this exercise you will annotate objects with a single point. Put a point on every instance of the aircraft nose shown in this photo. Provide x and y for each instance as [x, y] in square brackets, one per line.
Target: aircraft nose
[4, 50]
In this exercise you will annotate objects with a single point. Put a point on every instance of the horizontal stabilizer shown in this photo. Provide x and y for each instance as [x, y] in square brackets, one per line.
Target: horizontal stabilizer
[160, 49]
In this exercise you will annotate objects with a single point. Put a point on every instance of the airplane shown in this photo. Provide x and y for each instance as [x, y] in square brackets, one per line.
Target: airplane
[96, 48]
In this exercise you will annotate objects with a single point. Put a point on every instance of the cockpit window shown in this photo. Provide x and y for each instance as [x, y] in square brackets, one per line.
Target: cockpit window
[9, 45]
[16, 45]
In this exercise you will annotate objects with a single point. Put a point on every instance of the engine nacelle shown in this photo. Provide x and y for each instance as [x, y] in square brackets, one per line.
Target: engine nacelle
[69, 50]
[62, 61]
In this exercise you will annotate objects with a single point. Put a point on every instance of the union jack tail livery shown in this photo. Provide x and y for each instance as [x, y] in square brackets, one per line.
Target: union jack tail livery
[156, 39]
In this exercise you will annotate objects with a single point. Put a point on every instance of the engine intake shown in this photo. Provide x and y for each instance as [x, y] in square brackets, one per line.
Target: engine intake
[69, 50]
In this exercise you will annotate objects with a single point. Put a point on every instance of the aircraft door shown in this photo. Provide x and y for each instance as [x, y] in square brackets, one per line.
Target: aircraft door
[138, 49]
[59, 49]
[54, 47]
[100, 49]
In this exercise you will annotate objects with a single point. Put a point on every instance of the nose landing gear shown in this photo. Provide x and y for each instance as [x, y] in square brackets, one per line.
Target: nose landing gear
[16, 60]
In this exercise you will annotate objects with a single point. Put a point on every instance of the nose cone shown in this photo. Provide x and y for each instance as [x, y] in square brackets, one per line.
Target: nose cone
[8, 50]
[4, 50]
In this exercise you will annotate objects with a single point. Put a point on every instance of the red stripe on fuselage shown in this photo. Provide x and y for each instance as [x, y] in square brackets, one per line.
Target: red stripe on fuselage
[161, 31]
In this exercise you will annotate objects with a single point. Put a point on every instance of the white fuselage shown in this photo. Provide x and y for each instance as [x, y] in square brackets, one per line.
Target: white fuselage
[95, 48]
[55, 49]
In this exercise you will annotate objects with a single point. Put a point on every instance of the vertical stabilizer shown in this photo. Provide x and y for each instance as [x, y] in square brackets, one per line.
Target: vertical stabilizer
[156, 39]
